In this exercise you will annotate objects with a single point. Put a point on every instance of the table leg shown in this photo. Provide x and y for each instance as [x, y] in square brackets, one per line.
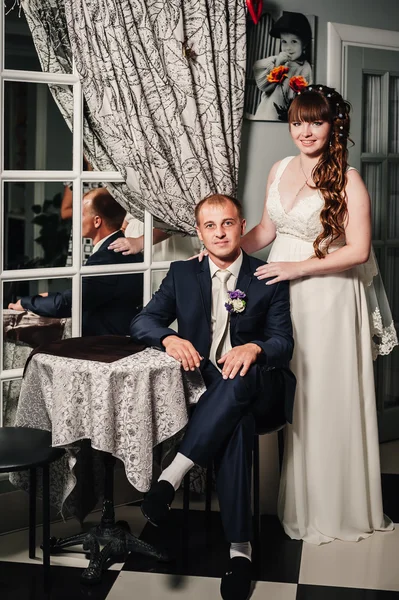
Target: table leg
[114, 537]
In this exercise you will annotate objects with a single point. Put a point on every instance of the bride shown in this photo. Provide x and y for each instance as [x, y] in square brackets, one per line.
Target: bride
[317, 212]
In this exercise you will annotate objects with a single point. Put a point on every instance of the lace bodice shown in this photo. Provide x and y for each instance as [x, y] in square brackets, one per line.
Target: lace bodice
[303, 220]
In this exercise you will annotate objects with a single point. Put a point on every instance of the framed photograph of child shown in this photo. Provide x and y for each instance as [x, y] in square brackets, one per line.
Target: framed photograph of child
[280, 61]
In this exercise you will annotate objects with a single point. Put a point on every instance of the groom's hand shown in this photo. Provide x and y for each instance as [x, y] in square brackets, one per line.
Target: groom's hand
[183, 351]
[240, 357]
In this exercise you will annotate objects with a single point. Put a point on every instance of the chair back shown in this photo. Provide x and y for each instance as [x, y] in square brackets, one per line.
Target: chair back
[272, 420]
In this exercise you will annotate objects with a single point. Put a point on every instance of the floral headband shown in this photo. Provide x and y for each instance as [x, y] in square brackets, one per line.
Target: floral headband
[330, 93]
[341, 107]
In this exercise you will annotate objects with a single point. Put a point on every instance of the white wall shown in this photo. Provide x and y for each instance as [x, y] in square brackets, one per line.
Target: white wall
[264, 143]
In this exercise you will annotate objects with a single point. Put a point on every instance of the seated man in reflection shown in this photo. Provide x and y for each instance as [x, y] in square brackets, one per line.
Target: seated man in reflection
[238, 332]
[109, 302]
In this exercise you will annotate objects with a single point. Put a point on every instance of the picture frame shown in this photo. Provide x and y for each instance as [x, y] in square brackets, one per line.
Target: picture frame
[280, 62]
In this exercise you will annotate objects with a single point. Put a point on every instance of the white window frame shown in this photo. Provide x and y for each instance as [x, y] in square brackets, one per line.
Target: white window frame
[77, 177]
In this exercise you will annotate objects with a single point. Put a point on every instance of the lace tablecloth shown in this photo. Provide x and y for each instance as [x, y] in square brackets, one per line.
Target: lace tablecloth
[126, 408]
[23, 331]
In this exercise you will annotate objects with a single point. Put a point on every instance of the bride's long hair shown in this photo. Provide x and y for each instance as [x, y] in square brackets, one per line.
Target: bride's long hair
[321, 103]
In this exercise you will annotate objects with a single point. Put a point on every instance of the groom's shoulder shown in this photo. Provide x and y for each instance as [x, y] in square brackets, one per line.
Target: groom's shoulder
[255, 262]
[185, 267]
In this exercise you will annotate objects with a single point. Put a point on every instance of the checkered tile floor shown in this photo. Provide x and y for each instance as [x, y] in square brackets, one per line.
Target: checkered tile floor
[289, 570]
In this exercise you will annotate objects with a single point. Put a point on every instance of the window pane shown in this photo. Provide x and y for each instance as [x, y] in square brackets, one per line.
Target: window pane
[393, 201]
[110, 302]
[20, 52]
[371, 173]
[372, 113]
[114, 218]
[35, 235]
[36, 135]
[156, 279]
[394, 115]
[24, 330]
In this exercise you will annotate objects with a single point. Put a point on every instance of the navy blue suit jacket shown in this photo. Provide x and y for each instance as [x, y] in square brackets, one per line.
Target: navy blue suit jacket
[186, 295]
[109, 302]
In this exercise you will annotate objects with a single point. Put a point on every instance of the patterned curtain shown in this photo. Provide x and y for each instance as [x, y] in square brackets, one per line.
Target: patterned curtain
[163, 85]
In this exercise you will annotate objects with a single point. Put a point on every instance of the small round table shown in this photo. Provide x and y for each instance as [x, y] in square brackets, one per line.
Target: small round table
[125, 408]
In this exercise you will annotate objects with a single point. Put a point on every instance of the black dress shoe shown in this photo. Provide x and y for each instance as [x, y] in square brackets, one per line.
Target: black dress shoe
[236, 582]
[156, 504]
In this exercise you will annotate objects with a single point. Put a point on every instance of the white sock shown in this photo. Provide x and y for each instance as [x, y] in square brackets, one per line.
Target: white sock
[177, 469]
[243, 549]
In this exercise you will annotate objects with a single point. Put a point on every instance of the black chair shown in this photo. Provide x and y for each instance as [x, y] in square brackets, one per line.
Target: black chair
[256, 479]
[277, 424]
[22, 449]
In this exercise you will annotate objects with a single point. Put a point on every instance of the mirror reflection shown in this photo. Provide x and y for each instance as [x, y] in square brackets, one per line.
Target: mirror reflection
[35, 234]
[165, 246]
[36, 135]
[173, 246]
[110, 302]
[66, 212]
[156, 279]
[127, 245]
[40, 312]
[23, 330]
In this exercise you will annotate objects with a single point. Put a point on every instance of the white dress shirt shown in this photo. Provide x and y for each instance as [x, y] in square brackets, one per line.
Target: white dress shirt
[100, 243]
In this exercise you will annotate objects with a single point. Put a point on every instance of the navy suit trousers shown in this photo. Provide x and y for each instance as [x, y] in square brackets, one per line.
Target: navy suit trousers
[222, 428]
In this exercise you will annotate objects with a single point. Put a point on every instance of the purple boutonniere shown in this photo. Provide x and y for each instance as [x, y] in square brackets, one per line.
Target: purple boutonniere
[237, 301]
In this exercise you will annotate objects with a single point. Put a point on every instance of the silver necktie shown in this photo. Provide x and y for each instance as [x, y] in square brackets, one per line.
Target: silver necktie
[221, 316]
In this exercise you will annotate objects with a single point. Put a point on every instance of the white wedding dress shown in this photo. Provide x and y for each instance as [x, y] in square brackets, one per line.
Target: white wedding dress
[330, 486]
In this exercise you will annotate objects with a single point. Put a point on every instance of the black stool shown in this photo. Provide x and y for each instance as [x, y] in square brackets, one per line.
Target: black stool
[277, 425]
[23, 448]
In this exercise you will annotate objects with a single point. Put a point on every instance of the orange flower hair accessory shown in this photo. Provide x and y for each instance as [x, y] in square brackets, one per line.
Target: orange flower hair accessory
[277, 74]
[297, 83]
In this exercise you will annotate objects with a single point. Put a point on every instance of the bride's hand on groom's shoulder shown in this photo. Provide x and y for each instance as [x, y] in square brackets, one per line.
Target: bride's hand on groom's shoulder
[280, 271]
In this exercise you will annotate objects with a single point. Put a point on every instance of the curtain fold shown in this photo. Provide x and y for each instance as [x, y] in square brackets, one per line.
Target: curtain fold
[163, 86]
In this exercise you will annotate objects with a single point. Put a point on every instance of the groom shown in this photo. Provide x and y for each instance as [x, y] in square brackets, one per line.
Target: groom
[242, 343]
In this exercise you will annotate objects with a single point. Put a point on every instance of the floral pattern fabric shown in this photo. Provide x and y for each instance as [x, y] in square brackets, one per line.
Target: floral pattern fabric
[163, 86]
